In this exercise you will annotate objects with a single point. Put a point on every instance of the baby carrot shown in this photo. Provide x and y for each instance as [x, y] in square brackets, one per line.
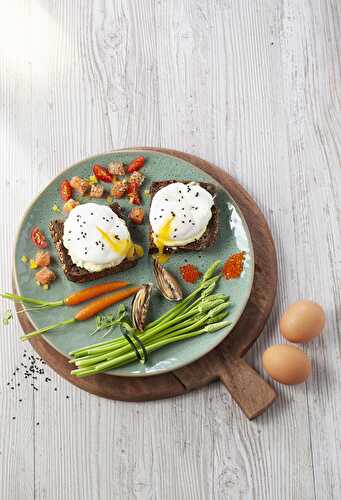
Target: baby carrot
[88, 311]
[98, 305]
[71, 300]
[93, 291]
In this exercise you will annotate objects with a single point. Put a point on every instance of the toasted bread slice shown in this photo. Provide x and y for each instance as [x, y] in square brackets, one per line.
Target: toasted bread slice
[209, 237]
[71, 270]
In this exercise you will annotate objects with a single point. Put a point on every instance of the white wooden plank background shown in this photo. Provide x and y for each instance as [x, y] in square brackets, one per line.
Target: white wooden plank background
[253, 86]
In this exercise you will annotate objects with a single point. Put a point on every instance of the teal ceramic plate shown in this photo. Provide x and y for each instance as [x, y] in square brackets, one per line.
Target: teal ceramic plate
[233, 237]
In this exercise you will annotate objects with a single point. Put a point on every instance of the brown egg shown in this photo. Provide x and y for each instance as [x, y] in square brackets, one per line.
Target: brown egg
[302, 321]
[287, 364]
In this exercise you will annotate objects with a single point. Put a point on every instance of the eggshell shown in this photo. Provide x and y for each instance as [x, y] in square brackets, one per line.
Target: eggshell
[302, 321]
[287, 364]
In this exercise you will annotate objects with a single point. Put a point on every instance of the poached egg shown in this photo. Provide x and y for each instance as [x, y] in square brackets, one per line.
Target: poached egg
[96, 238]
[179, 214]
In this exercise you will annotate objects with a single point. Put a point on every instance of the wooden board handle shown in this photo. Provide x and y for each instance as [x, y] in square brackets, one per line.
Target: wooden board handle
[248, 389]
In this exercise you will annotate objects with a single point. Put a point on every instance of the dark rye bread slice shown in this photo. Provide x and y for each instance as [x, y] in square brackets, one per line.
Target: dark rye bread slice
[209, 237]
[79, 274]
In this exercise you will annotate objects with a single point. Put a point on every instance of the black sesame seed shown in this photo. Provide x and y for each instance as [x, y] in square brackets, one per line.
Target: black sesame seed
[196, 195]
[173, 214]
[20, 400]
[55, 388]
[166, 199]
[37, 423]
[13, 418]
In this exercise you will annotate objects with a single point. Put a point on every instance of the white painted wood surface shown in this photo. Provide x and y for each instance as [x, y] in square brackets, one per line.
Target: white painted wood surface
[253, 86]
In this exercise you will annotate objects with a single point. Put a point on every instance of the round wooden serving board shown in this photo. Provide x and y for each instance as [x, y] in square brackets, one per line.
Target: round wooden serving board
[225, 362]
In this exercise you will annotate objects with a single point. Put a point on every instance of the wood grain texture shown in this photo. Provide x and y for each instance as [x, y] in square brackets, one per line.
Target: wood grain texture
[254, 87]
[247, 388]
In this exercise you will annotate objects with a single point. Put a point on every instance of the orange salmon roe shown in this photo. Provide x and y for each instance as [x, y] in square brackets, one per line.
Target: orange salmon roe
[234, 265]
[190, 273]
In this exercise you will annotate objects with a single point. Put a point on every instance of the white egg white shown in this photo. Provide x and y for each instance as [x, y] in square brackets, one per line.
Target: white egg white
[84, 243]
[190, 207]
